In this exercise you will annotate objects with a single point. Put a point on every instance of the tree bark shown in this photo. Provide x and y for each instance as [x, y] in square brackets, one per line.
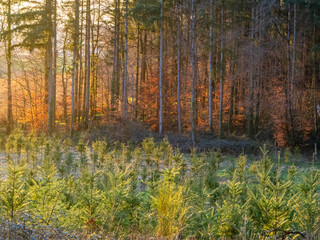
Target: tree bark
[221, 72]
[210, 67]
[251, 87]
[75, 65]
[194, 74]
[64, 80]
[115, 73]
[160, 74]
[55, 54]
[50, 75]
[9, 70]
[81, 70]
[88, 67]
[259, 84]
[125, 74]
[289, 82]
[178, 70]
[137, 73]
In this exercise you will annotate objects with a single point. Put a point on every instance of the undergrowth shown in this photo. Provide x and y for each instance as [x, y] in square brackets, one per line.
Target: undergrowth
[52, 189]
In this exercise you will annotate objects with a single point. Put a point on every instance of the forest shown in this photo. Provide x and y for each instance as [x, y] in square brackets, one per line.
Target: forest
[223, 67]
[159, 119]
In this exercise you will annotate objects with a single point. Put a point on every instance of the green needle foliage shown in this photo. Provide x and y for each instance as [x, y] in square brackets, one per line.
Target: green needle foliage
[45, 199]
[13, 191]
[308, 208]
[101, 190]
[232, 211]
[169, 205]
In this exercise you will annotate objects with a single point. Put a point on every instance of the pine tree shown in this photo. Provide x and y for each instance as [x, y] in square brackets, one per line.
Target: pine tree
[169, 205]
[14, 194]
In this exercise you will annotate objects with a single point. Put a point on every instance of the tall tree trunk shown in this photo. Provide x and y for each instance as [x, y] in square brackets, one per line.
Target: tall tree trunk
[9, 69]
[133, 81]
[294, 48]
[251, 87]
[88, 66]
[221, 71]
[160, 74]
[137, 73]
[116, 71]
[75, 64]
[259, 84]
[97, 58]
[55, 53]
[232, 90]
[92, 65]
[314, 60]
[81, 72]
[210, 67]
[64, 80]
[293, 71]
[233, 68]
[143, 65]
[194, 73]
[125, 73]
[289, 82]
[50, 75]
[113, 83]
[178, 70]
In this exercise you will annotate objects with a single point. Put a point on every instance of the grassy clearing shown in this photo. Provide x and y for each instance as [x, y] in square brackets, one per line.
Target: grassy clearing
[54, 189]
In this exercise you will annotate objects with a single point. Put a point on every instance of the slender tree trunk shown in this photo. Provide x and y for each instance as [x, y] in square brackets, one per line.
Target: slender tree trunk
[233, 69]
[55, 53]
[113, 84]
[9, 69]
[64, 80]
[88, 67]
[81, 72]
[46, 76]
[210, 67]
[51, 99]
[294, 48]
[125, 74]
[293, 70]
[259, 85]
[287, 84]
[132, 92]
[75, 64]
[221, 72]
[143, 66]
[93, 59]
[289, 80]
[178, 71]
[315, 120]
[160, 74]
[137, 73]
[92, 64]
[251, 87]
[232, 90]
[96, 68]
[50, 75]
[194, 74]
[116, 58]
[315, 117]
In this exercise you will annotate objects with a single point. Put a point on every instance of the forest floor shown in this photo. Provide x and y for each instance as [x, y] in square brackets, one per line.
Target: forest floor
[134, 131]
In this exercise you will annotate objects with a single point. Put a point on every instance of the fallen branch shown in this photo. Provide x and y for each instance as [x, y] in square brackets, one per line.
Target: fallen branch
[284, 232]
